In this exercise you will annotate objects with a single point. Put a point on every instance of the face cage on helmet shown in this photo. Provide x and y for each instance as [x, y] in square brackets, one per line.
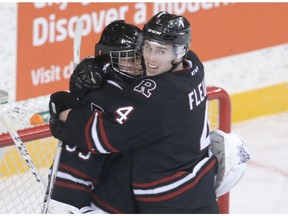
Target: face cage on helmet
[127, 63]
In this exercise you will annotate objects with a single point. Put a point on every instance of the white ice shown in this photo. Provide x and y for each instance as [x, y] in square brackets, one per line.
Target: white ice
[264, 187]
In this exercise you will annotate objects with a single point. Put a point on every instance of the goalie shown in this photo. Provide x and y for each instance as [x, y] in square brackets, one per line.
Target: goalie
[173, 169]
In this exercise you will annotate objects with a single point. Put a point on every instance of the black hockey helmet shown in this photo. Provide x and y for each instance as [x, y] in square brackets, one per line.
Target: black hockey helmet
[117, 36]
[168, 28]
[120, 40]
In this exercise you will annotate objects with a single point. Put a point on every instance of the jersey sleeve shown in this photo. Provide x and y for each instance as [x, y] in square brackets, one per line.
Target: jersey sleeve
[133, 122]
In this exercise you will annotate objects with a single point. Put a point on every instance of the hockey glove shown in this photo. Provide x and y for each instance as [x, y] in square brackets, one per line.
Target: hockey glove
[60, 101]
[87, 76]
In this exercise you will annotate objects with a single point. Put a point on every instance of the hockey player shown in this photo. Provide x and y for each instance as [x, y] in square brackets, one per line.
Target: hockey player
[163, 118]
[85, 182]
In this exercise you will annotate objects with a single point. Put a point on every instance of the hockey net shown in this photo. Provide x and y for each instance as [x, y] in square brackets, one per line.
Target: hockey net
[20, 192]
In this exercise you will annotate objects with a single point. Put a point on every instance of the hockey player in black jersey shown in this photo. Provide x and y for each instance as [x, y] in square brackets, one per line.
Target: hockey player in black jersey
[90, 183]
[163, 119]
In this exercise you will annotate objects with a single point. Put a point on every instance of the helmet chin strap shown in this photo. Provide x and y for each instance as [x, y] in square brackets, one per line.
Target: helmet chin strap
[174, 65]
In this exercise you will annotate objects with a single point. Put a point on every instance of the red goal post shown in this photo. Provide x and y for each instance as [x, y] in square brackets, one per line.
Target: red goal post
[20, 193]
[222, 98]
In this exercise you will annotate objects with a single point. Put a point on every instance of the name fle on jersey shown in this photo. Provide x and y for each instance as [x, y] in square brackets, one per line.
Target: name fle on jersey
[197, 95]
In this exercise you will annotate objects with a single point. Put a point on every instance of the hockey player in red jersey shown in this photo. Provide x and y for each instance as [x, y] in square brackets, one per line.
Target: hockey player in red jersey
[163, 119]
[85, 182]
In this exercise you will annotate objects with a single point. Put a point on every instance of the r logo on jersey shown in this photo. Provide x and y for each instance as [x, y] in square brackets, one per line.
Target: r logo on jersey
[146, 87]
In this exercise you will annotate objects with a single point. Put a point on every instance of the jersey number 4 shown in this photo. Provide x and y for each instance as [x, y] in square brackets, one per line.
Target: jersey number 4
[123, 113]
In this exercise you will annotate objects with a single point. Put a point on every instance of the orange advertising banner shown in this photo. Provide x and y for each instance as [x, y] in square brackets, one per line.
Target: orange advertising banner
[46, 32]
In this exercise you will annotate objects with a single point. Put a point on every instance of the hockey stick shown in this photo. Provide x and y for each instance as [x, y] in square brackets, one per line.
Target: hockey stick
[76, 59]
[77, 42]
[52, 178]
[22, 149]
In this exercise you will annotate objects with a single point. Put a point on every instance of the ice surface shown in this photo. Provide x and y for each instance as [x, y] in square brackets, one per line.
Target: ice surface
[264, 187]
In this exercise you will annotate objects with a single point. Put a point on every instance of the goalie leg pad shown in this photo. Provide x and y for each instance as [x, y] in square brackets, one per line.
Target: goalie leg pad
[233, 155]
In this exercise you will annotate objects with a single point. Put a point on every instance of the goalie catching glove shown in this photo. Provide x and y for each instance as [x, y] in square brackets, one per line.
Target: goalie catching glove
[233, 155]
[60, 101]
[87, 76]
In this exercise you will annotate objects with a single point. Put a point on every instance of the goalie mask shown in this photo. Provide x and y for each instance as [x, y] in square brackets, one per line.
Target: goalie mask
[120, 41]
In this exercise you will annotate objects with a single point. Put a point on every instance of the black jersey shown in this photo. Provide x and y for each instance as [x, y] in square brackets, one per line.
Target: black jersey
[164, 120]
[116, 174]
[84, 180]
